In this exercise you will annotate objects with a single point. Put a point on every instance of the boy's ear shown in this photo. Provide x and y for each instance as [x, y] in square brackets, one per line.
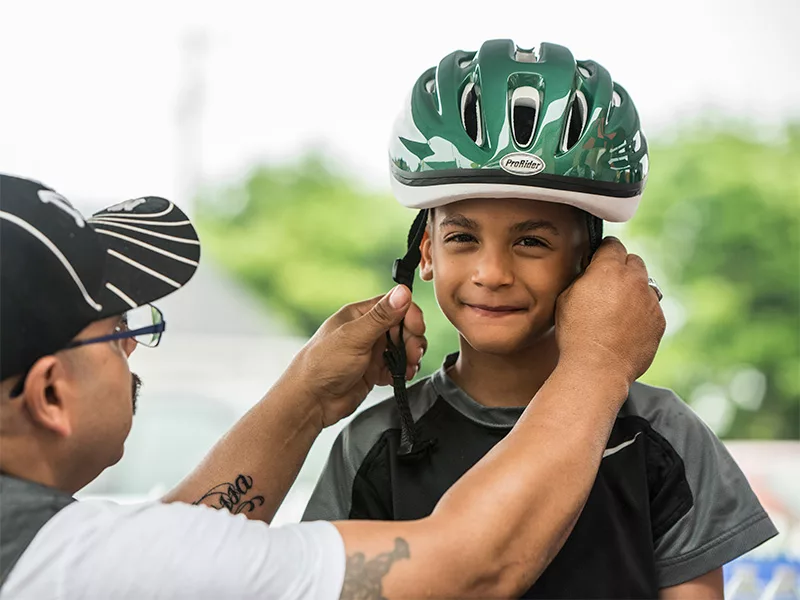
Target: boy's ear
[425, 263]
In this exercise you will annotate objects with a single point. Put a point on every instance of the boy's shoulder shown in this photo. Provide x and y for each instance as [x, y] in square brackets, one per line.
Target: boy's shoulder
[367, 427]
[645, 400]
[677, 432]
[703, 511]
[662, 408]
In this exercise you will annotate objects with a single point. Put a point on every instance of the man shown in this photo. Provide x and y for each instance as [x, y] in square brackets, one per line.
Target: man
[74, 303]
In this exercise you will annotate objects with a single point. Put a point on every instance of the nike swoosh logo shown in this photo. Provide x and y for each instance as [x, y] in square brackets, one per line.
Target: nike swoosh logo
[615, 449]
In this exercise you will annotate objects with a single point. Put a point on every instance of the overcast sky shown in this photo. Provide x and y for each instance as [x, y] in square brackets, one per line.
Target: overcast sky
[90, 92]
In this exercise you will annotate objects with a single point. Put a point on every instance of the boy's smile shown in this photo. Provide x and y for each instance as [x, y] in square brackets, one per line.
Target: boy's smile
[493, 312]
[498, 266]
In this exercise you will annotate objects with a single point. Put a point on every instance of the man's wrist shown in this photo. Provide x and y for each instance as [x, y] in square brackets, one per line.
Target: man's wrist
[303, 395]
[611, 371]
[614, 382]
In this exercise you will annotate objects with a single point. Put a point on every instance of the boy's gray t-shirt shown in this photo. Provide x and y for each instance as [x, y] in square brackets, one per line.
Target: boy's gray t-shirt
[669, 503]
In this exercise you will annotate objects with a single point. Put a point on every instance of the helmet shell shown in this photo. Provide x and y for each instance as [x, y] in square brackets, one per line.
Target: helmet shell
[506, 122]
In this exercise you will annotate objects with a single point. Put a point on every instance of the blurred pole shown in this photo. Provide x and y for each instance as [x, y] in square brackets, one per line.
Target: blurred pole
[744, 584]
[189, 117]
[783, 586]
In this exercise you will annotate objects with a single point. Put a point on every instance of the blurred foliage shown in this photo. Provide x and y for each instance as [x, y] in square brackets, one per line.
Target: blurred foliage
[309, 241]
[719, 225]
[721, 219]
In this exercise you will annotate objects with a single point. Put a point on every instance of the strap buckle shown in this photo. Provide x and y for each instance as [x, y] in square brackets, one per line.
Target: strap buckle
[402, 273]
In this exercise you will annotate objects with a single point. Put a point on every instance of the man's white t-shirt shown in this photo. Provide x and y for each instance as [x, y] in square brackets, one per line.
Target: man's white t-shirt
[103, 550]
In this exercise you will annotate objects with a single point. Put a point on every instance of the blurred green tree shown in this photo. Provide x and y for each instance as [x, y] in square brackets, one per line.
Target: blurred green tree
[307, 241]
[719, 225]
[720, 220]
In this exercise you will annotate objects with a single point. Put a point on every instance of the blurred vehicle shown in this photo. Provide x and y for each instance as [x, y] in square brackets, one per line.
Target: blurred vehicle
[771, 571]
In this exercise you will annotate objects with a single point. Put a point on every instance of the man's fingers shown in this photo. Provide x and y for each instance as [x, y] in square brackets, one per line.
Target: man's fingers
[419, 346]
[355, 310]
[414, 322]
[365, 330]
[416, 345]
[637, 262]
[415, 349]
[610, 249]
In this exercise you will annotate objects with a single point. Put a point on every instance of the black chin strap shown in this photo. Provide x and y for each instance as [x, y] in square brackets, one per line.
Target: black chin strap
[595, 232]
[395, 353]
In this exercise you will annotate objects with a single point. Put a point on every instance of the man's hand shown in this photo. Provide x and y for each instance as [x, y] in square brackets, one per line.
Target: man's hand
[609, 319]
[255, 463]
[344, 360]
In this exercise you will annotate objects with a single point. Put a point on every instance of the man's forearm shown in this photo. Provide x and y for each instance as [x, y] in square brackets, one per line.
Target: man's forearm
[525, 496]
[499, 526]
[252, 467]
[250, 470]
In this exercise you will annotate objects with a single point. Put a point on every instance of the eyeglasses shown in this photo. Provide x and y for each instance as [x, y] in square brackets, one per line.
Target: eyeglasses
[145, 324]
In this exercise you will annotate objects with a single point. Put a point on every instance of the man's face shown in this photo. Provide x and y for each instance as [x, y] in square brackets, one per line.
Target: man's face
[498, 266]
[105, 395]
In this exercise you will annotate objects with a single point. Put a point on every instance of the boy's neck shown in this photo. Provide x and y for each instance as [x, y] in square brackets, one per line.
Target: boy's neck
[505, 380]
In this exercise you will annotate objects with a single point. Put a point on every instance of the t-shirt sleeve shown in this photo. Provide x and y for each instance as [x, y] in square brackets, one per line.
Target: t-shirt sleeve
[355, 483]
[183, 551]
[331, 498]
[724, 518]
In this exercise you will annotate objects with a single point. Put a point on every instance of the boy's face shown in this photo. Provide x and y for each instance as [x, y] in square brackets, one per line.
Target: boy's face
[498, 266]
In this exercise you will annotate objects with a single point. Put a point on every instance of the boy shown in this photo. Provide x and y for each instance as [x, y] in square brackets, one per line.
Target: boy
[515, 159]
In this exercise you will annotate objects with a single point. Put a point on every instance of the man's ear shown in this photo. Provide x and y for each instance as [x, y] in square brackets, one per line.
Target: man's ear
[47, 394]
[426, 262]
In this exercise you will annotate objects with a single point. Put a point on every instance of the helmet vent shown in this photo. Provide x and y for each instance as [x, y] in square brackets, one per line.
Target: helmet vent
[526, 56]
[616, 101]
[576, 121]
[585, 73]
[471, 113]
[524, 114]
[430, 85]
[465, 62]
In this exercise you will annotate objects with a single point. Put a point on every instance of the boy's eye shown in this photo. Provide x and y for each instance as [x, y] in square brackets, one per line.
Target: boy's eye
[460, 238]
[532, 242]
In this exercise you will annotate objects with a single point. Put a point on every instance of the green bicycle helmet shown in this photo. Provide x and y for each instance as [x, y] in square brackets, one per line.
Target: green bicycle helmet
[505, 122]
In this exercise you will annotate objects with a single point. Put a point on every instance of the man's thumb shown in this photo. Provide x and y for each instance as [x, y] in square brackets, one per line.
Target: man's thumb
[386, 313]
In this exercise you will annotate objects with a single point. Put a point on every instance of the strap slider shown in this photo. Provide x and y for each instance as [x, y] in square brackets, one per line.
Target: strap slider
[402, 273]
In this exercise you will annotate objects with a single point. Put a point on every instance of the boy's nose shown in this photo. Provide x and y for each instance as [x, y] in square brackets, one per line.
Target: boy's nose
[493, 270]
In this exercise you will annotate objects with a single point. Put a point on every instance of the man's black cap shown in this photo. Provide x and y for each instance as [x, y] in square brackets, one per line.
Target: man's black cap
[59, 271]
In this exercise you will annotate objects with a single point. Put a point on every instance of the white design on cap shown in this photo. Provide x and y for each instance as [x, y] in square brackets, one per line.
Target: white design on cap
[56, 252]
[126, 206]
[111, 287]
[148, 246]
[144, 269]
[151, 233]
[135, 221]
[57, 200]
[137, 216]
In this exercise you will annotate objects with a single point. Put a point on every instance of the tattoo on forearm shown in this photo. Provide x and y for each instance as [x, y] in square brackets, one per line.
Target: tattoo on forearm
[231, 496]
[363, 579]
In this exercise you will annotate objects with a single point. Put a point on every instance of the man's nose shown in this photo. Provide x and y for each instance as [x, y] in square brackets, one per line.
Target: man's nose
[128, 346]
